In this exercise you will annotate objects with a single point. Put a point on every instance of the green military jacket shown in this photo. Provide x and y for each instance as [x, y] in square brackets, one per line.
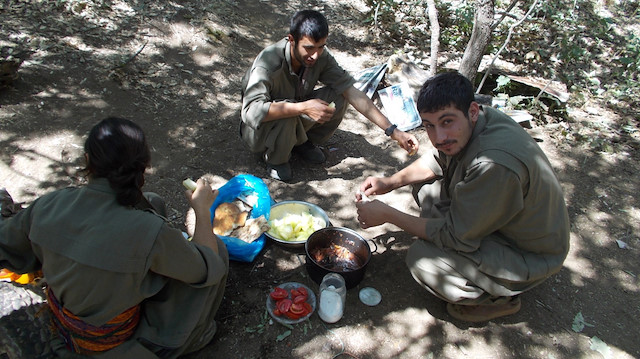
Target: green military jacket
[101, 258]
[501, 203]
[271, 79]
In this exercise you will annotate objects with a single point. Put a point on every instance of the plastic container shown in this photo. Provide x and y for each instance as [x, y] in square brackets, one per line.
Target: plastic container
[333, 295]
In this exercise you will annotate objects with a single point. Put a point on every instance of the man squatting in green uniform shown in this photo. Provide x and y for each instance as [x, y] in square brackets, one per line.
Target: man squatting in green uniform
[493, 220]
[121, 283]
[282, 111]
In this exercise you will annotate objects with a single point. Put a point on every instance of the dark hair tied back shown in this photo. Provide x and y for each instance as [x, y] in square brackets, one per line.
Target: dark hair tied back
[117, 150]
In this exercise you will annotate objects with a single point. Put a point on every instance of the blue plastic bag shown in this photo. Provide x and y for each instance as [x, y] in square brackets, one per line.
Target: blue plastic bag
[238, 249]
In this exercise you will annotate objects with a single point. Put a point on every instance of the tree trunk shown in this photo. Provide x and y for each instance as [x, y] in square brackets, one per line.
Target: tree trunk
[480, 37]
[435, 36]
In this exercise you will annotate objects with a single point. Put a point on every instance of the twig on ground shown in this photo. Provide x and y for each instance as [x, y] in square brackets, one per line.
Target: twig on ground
[538, 302]
[131, 58]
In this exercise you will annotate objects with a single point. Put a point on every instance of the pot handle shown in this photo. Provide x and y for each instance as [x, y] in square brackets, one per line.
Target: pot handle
[374, 244]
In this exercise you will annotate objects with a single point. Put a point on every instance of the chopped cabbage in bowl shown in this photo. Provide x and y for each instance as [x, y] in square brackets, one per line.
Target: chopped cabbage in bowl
[292, 222]
[295, 227]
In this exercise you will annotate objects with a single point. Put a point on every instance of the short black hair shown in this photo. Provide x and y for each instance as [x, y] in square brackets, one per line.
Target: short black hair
[446, 89]
[308, 23]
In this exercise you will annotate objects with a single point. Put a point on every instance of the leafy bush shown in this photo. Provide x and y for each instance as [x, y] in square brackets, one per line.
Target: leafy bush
[574, 41]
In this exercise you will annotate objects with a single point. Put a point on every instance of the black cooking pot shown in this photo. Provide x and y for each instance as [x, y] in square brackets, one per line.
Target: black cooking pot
[337, 250]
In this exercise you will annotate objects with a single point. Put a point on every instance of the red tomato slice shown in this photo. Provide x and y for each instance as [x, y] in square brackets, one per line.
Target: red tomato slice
[308, 308]
[277, 312]
[303, 291]
[279, 293]
[284, 305]
[294, 293]
[293, 316]
[300, 299]
[297, 309]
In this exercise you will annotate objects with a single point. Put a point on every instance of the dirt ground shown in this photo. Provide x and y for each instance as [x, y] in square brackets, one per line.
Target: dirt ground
[175, 68]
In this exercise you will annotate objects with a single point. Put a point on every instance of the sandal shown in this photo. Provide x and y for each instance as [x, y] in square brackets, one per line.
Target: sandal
[483, 313]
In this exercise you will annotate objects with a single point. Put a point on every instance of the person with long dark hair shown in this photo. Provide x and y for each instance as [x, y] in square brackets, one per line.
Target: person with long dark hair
[120, 281]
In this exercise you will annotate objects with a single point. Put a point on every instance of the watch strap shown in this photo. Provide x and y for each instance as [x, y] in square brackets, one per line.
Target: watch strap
[390, 129]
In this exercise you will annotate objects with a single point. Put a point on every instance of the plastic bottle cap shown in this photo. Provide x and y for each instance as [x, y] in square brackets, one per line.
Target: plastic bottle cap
[370, 296]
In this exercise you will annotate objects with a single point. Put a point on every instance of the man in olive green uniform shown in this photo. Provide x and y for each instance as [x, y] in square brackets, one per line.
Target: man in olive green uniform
[494, 221]
[284, 112]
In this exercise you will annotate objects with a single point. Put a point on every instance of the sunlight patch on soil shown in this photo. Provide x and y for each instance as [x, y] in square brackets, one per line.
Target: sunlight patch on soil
[32, 155]
[580, 269]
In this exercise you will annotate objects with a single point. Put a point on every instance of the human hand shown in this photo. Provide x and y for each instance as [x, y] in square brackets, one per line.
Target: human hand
[371, 213]
[202, 197]
[360, 196]
[373, 186]
[407, 141]
[319, 110]
[201, 200]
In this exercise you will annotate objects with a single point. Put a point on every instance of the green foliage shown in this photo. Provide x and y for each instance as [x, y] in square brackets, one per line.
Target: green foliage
[408, 21]
[592, 47]
[455, 24]
[502, 83]
[397, 19]
[630, 57]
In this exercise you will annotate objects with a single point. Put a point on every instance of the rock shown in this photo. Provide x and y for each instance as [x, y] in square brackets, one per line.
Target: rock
[25, 331]
[10, 62]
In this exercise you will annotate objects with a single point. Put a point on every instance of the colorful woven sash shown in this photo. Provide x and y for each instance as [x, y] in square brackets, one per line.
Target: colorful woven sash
[84, 338]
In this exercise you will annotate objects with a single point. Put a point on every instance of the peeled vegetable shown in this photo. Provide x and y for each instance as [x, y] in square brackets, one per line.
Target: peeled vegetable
[332, 105]
[295, 227]
[189, 184]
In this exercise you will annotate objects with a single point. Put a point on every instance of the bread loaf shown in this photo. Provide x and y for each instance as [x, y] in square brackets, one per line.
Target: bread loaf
[228, 217]
[252, 229]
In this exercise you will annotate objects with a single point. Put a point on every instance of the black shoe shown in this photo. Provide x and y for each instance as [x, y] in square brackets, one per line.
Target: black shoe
[280, 172]
[310, 152]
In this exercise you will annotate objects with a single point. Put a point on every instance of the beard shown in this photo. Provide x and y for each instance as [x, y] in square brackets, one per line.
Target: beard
[301, 59]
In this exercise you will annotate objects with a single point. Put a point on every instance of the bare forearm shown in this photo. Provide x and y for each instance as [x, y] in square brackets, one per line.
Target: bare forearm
[279, 110]
[416, 172]
[365, 106]
[411, 224]
[203, 232]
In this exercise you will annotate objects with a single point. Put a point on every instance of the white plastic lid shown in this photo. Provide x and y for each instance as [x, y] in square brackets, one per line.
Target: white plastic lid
[370, 296]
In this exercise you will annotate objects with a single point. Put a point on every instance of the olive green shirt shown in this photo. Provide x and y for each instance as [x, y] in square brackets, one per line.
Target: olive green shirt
[271, 79]
[101, 258]
[501, 204]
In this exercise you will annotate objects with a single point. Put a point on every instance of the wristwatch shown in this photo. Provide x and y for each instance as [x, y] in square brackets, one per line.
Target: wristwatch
[390, 129]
